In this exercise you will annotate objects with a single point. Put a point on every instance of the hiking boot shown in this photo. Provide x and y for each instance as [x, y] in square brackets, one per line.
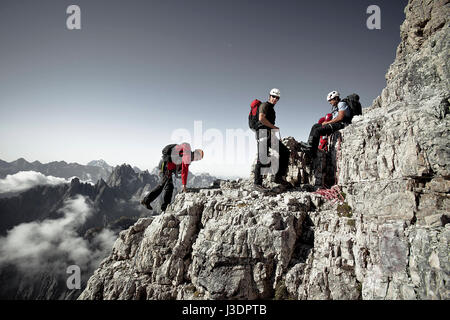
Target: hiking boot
[259, 188]
[147, 205]
[279, 189]
[281, 181]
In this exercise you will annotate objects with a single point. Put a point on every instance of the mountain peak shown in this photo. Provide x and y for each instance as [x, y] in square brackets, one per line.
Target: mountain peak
[100, 163]
[20, 160]
[137, 169]
[123, 168]
[123, 174]
[96, 162]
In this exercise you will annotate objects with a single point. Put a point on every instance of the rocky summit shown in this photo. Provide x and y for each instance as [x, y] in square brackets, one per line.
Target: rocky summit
[381, 232]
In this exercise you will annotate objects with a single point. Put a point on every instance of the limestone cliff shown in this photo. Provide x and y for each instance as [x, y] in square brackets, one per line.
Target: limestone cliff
[388, 239]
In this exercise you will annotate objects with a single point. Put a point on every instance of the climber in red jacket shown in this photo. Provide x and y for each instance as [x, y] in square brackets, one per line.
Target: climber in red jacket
[175, 159]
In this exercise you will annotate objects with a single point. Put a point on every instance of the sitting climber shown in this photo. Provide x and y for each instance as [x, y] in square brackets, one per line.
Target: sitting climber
[175, 159]
[342, 116]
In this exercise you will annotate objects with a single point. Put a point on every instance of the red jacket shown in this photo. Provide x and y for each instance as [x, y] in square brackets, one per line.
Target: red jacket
[184, 150]
[323, 144]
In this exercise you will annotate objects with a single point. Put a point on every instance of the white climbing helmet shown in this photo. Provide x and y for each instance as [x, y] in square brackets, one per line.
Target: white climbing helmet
[275, 92]
[332, 95]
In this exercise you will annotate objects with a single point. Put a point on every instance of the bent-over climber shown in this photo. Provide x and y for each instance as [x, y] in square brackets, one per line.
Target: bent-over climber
[175, 159]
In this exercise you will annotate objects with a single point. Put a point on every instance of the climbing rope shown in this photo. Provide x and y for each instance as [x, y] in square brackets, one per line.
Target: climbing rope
[338, 153]
[334, 193]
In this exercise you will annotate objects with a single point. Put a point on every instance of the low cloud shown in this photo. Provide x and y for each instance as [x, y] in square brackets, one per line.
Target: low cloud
[52, 245]
[24, 180]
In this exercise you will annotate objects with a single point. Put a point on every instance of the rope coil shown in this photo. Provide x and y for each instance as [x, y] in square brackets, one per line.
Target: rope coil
[334, 194]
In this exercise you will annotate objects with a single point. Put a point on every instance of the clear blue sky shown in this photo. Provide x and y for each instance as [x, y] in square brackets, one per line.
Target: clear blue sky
[138, 70]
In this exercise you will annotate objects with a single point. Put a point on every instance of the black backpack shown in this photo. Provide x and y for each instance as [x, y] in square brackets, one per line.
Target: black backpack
[166, 152]
[353, 103]
[253, 117]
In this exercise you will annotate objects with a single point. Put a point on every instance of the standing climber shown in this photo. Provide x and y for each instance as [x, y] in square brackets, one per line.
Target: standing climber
[264, 130]
[341, 117]
[175, 159]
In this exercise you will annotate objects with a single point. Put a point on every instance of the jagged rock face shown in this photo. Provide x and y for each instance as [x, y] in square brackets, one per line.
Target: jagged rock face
[233, 243]
[389, 238]
[420, 74]
[357, 259]
[227, 243]
[395, 160]
[130, 183]
[394, 166]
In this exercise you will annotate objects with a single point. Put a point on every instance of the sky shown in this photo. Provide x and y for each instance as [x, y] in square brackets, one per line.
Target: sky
[139, 74]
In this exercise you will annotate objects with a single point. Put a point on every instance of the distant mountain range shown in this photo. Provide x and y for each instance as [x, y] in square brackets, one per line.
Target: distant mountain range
[93, 171]
[115, 199]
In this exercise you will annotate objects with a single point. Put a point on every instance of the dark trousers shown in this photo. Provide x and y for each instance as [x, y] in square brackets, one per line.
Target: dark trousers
[164, 186]
[283, 161]
[318, 130]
